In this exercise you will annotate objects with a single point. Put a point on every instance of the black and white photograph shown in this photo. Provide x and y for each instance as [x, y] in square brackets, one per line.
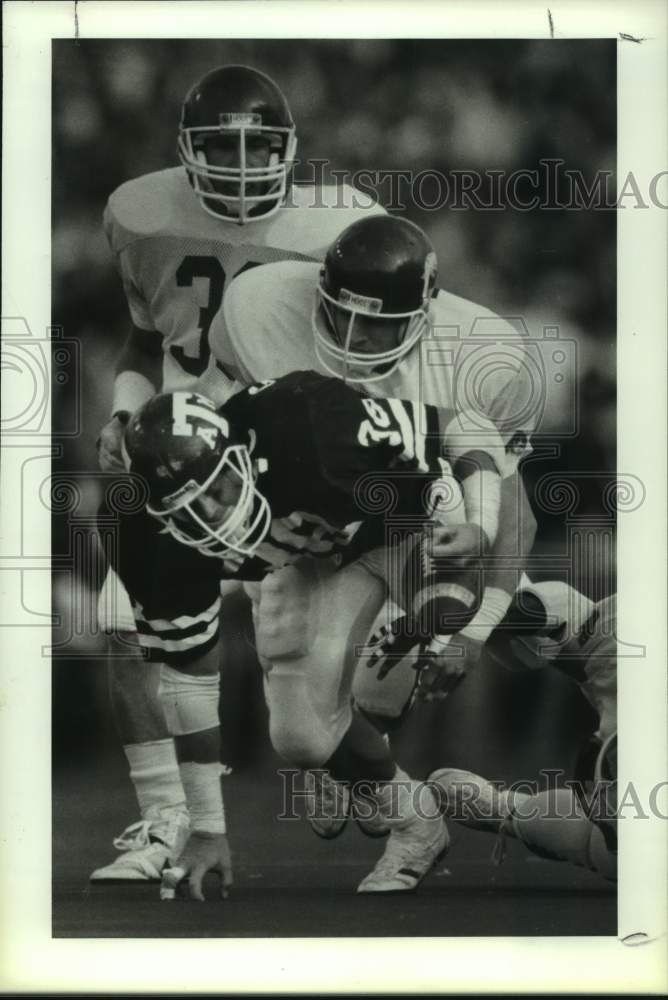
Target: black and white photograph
[333, 433]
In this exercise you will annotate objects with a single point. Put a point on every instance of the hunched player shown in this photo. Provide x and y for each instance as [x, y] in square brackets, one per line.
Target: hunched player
[274, 487]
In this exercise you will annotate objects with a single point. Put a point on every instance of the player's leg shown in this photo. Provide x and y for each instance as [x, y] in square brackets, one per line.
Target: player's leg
[166, 582]
[310, 622]
[551, 824]
[149, 749]
[543, 619]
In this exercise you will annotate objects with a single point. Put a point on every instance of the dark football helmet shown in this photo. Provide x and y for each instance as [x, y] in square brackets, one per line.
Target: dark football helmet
[372, 303]
[199, 475]
[241, 105]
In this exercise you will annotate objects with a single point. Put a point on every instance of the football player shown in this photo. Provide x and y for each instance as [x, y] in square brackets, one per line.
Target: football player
[179, 236]
[373, 316]
[566, 630]
[288, 485]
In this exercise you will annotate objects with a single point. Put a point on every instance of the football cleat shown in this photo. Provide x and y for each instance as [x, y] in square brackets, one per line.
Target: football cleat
[412, 851]
[370, 821]
[327, 804]
[147, 847]
[470, 799]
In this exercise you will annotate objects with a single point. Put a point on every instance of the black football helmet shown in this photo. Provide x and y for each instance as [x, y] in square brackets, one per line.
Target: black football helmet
[242, 103]
[381, 269]
[185, 451]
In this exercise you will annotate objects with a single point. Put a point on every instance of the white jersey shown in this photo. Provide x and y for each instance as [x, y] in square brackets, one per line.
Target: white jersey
[176, 261]
[471, 359]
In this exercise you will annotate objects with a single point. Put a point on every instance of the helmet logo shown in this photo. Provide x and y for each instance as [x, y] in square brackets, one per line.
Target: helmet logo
[190, 487]
[239, 118]
[362, 303]
[190, 407]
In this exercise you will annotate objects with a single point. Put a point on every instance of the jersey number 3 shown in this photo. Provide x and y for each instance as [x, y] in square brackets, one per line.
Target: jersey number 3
[189, 269]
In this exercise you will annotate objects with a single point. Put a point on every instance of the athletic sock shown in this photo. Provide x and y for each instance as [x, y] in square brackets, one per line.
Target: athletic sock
[154, 772]
[403, 799]
[363, 755]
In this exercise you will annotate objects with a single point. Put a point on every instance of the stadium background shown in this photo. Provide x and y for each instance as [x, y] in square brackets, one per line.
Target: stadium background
[389, 105]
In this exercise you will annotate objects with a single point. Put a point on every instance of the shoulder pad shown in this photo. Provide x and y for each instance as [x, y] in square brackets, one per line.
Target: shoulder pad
[144, 206]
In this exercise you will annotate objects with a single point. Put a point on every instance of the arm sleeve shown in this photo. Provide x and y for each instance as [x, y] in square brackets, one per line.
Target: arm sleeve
[516, 398]
[506, 562]
[509, 389]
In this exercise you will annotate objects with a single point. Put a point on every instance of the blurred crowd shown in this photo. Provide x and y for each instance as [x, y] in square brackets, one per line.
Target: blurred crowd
[410, 105]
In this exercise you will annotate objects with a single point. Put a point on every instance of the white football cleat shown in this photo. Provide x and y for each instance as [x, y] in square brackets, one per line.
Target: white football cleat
[147, 847]
[412, 851]
[470, 799]
[327, 804]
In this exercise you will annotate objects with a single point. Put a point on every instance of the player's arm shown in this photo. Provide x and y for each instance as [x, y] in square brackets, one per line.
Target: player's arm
[517, 531]
[379, 435]
[139, 364]
[474, 451]
[511, 389]
[190, 699]
[452, 659]
[216, 383]
[138, 377]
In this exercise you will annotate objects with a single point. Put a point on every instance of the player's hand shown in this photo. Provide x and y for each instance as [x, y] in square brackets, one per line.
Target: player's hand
[442, 667]
[109, 443]
[391, 643]
[462, 544]
[204, 852]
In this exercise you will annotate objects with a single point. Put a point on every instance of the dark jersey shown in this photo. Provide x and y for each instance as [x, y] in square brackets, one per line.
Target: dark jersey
[336, 469]
[332, 463]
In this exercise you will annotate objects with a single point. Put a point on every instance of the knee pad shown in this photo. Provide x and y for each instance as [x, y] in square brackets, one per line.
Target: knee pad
[190, 702]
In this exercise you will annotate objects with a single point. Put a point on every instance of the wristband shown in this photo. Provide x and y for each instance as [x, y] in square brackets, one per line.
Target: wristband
[204, 796]
[482, 499]
[495, 602]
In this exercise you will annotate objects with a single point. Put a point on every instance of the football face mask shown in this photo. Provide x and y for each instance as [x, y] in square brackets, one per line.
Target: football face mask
[199, 474]
[239, 169]
[225, 515]
[358, 342]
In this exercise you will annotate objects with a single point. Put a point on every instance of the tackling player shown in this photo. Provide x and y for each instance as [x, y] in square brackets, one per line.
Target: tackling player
[373, 316]
[179, 236]
[578, 637]
[281, 486]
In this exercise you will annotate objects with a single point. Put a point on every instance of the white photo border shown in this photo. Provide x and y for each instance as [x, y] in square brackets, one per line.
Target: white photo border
[29, 958]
